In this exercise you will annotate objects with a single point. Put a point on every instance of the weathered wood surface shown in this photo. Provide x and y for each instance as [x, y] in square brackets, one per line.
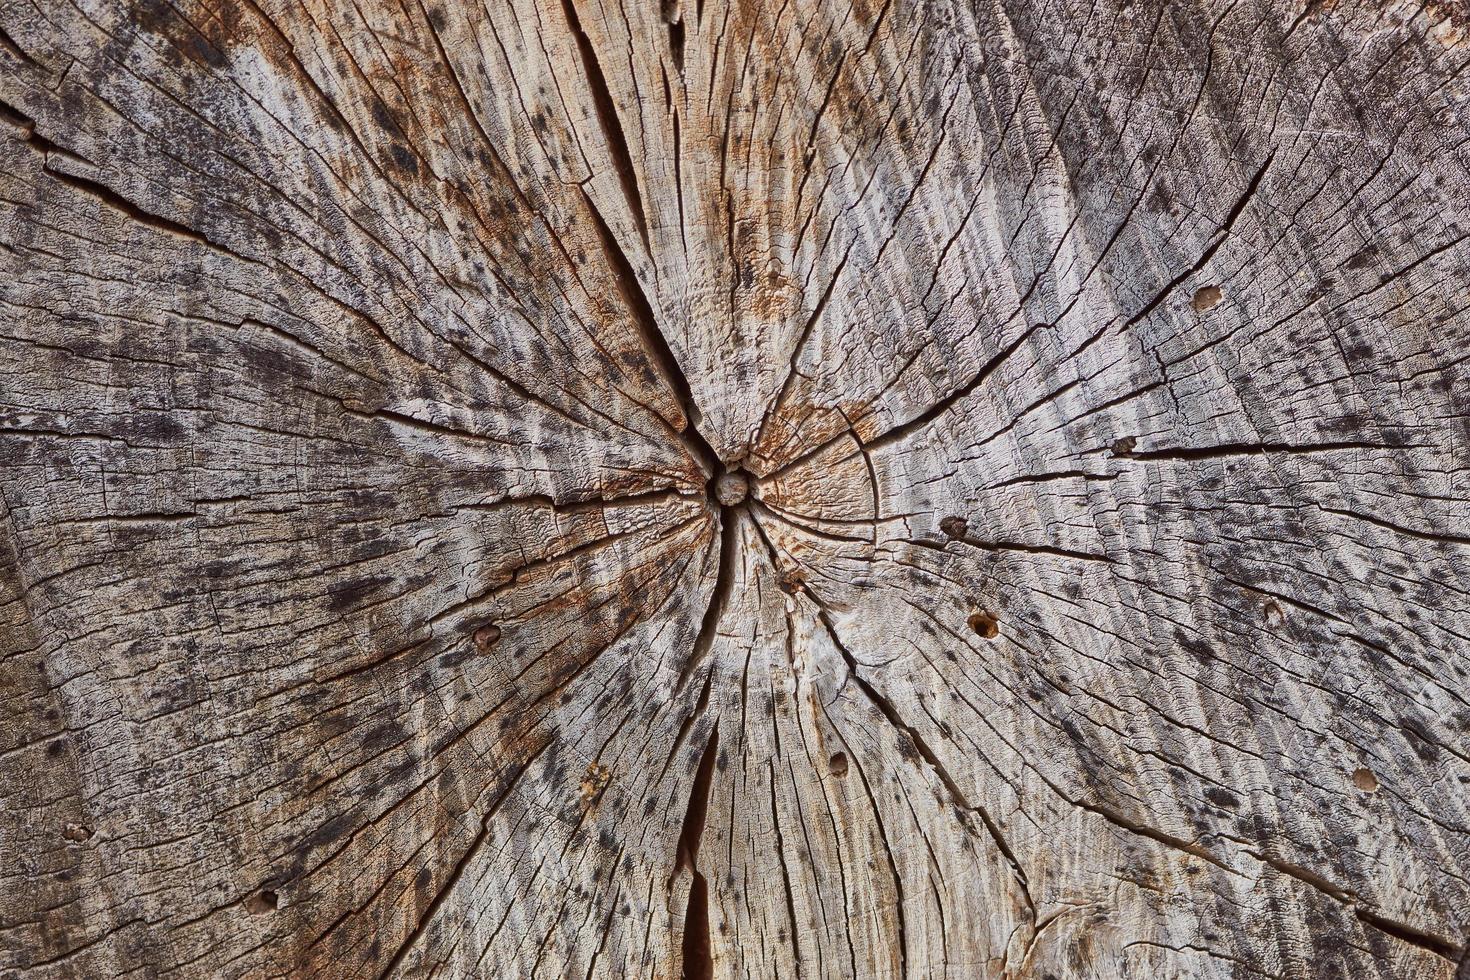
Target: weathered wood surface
[1098, 606]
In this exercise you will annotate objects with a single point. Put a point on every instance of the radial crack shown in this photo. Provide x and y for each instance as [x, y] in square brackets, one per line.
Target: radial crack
[698, 958]
[607, 119]
[665, 364]
[719, 598]
[915, 739]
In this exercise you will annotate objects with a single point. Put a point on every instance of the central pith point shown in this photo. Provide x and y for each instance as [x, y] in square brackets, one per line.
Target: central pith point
[732, 488]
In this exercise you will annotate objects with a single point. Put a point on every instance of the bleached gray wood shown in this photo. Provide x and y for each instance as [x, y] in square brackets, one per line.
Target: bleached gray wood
[569, 488]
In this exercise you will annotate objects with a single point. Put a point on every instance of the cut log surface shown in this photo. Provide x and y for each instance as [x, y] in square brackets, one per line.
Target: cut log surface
[822, 488]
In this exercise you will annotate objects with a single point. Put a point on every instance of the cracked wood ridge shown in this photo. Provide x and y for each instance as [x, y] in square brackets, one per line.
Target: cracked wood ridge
[831, 488]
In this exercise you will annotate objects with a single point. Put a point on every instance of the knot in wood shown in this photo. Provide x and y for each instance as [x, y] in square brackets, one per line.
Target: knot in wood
[732, 488]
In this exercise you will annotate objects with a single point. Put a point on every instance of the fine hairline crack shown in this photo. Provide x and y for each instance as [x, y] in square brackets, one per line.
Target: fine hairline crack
[890, 713]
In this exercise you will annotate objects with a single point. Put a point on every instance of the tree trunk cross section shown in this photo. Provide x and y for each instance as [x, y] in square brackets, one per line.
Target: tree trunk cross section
[717, 488]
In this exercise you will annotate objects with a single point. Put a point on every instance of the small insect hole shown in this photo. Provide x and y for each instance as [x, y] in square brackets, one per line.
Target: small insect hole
[954, 527]
[486, 637]
[263, 901]
[838, 764]
[1207, 298]
[1364, 780]
[984, 624]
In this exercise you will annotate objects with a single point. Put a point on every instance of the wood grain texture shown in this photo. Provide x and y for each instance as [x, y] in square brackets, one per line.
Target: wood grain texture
[715, 488]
